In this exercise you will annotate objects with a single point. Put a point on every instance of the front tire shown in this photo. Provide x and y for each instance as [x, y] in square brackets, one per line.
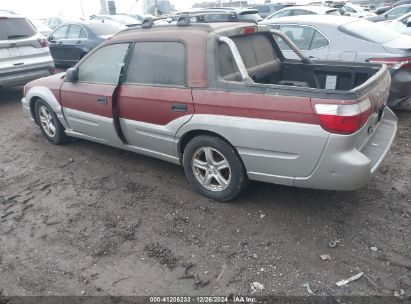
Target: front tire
[49, 124]
[213, 168]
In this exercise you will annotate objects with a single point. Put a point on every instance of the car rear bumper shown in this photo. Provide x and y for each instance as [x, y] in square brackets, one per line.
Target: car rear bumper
[21, 77]
[346, 169]
[400, 90]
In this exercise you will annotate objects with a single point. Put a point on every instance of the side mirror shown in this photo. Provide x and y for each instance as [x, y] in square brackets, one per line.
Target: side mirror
[72, 75]
[409, 22]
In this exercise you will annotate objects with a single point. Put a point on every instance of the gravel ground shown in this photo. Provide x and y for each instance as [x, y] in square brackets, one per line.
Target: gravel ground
[88, 219]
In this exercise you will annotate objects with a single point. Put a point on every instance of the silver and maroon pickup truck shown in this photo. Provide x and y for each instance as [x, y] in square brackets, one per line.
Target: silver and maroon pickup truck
[221, 100]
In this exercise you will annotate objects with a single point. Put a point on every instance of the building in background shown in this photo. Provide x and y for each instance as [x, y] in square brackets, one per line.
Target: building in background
[218, 3]
[163, 6]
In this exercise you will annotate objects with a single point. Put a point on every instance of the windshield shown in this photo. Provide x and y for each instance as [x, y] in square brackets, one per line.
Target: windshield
[369, 31]
[106, 28]
[252, 15]
[15, 28]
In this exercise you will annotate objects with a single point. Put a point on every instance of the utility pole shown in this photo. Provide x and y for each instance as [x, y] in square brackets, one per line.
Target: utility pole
[155, 8]
[103, 5]
[82, 8]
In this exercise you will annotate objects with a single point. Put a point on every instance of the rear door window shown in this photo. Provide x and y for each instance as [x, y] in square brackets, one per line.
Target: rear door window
[76, 32]
[157, 63]
[16, 28]
[319, 41]
[302, 36]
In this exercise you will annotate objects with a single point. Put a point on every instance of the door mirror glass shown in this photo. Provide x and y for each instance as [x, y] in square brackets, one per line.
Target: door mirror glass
[72, 75]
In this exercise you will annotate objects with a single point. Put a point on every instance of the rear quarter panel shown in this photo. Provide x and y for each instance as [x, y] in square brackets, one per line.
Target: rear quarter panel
[276, 136]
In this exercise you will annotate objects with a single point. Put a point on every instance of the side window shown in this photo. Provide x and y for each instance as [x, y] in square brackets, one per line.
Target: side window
[283, 13]
[104, 65]
[299, 12]
[319, 41]
[157, 63]
[348, 9]
[74, 32]
[60, 33]
[300, 35]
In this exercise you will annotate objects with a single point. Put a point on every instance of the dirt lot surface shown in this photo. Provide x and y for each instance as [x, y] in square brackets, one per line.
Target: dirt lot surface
[88, 219]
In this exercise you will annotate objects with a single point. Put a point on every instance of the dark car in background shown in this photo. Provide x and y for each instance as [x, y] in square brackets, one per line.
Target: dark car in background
[266, 9]
[392, 14]
[24, 53]
[71, 42]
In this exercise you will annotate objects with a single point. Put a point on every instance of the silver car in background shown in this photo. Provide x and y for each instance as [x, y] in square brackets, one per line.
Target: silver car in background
[351, 39]
[24, 52]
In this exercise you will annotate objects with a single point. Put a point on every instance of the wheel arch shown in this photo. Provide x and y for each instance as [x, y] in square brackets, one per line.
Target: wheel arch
[45, 94]
[189, 135]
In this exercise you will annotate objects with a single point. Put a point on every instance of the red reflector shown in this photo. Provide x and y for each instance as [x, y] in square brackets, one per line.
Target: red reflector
[249, 30]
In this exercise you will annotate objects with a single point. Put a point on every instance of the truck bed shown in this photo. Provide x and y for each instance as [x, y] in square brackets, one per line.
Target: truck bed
[321, 79]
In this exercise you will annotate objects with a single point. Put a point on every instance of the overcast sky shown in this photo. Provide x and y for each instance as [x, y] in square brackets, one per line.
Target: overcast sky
[46, 8]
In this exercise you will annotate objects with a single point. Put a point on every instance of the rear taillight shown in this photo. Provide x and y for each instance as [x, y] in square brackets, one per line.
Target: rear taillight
[43, 42]
[393, 63]
[343, 119]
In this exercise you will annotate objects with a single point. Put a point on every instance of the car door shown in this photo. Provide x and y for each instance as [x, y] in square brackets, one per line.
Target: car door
[75, 43]
[56, 43]
[155, 100]
[87, 103]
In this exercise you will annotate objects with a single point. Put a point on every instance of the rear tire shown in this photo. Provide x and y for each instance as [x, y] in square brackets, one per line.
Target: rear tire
[213, 168]
[49, 124]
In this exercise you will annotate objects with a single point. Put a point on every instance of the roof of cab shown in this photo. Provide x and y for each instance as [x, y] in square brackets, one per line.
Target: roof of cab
[162, 31]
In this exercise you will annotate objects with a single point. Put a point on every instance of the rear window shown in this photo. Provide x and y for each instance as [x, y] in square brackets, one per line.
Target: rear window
[369, 31]
[16, 28]
[250, 16]
[106, 28]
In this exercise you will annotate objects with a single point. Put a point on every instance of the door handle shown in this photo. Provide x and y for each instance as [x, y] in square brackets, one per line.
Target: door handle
[102, 100]
[179, 107]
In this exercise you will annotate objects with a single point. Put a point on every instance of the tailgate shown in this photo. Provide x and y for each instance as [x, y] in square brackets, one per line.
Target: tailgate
[375, 89]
